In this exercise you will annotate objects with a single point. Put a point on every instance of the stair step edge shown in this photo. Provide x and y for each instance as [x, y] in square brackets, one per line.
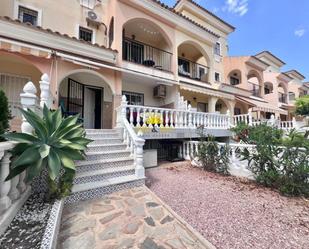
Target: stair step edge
[109, 182]
[104, 171]
[87, 162]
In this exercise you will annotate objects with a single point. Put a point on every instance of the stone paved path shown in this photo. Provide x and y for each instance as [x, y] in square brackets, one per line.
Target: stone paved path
[133, 218]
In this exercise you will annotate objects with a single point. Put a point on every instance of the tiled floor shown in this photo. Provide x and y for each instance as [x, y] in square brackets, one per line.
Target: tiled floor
[133, 218]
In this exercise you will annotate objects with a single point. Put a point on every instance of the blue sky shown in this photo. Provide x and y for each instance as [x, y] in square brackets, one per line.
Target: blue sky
[280, 26]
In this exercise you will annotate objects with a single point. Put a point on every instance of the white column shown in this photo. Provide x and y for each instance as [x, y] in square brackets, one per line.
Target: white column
[212, 104]
[122, 111]
[5, 201]
[45, 92]
[28, 100]
[139, 160]
[250, 117]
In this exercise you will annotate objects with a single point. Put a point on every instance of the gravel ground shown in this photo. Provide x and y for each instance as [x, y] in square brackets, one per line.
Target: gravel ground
[232, 213]
[28, 227]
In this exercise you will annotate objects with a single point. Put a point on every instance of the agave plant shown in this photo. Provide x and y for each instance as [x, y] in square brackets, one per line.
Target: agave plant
[54, 145]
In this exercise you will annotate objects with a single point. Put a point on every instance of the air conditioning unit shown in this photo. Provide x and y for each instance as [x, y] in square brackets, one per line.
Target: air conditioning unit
[93, 19]
[159, 91]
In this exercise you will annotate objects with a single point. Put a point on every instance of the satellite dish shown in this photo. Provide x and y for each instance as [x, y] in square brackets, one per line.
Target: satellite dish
[92, 15]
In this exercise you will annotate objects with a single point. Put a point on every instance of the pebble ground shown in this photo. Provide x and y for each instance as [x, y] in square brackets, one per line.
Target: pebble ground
[232, 213]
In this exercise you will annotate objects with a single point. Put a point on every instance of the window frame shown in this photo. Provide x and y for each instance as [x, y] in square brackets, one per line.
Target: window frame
[217, 50]
[216, 73]
[93, 37]
[136, 94]
[17, 4]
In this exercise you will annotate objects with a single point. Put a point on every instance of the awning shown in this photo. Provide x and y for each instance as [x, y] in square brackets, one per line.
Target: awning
[263, 106]
[205, 90]
[12, 46]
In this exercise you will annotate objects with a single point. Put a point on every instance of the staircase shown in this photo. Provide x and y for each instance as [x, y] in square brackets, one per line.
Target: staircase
[109, 167]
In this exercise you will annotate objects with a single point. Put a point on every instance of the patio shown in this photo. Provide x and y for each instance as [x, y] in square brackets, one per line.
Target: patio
[229, 212]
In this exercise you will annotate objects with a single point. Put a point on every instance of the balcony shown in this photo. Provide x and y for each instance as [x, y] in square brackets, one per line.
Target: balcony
[255, 90]
[192, 70]
[283, 98]
[147, 55]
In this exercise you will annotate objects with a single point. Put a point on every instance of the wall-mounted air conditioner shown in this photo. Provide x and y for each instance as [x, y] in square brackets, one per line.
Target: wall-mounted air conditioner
[159, 91]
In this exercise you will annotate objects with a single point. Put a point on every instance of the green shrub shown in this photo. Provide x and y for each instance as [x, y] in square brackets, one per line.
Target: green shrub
[54, 145]
[4, 114]
[302, 106]
[285, 168]
[212, 157]
[259, 134]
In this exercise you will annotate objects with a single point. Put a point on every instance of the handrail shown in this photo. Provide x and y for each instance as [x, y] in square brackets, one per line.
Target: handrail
[193, 62]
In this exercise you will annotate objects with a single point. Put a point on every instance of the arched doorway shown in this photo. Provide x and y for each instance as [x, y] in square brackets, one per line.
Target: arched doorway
[222, 106]
[193, 62]
[87, 93]
[268, 88]
[254, 83]
[282, 93]
[15, 72]
[234, 77]
[145, 43]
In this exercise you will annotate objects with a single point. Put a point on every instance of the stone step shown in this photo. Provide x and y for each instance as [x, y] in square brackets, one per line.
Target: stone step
[103, 136]
[97, 189]
[100, 131]
[82, 166]
[105, 141]
[106, 147]
[98, 155]
[103, 174]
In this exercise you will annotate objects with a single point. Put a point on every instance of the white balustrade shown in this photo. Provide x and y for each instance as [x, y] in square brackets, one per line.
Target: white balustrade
[145, 116]
[237, 167]
[133, 141]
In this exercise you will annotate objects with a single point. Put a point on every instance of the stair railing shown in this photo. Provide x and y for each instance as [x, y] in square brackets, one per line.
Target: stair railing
[133, 141]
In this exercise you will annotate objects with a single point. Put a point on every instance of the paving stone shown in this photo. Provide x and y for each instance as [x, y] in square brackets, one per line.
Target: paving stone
[137, 211]
[78, 227]
[131, 227]
[99, 208]
[126, 194]
[157, 213]
[163, 231]
[150, 221]
[184, 235]
[110, 217]
[167, 219]
[152, 204]
[148, 243]
[127, 243]
[131, 202]
[138, 195]
[110, 232]
[175, 243]
[84, 241]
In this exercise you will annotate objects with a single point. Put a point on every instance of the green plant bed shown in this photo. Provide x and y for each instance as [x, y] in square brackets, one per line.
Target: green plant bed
[53, 146]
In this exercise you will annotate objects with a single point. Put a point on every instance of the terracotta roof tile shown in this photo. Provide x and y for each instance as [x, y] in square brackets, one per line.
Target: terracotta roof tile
[47, 30]
[184, 17]
[207, 11]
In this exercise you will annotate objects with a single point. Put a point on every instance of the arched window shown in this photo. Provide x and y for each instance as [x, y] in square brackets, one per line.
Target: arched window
[111, 33]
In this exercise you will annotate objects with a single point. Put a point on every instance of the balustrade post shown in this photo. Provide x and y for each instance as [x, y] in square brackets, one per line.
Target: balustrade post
[28, 100]
[5, 201]
[190, 123]
[122, 111]
[229, 120]
[139, 160]
[250, 117]
[45, 91]
[295, 124]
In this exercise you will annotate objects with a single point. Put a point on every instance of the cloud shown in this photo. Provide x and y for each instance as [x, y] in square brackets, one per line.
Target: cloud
[299, 32]
[238, 7]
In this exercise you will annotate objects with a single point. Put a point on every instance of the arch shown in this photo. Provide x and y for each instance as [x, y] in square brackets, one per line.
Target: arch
[198, 47]
[255, 83]
[268, 88]
[139, 22]
[284, 87]
[222, 106]
[234, 77]
[87, 71]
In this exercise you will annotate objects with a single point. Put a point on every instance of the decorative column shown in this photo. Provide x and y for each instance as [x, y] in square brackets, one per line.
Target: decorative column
[139, 160]
[190, 122]
[45, 92]
[250, 117]
[295, 124]
[122, 111]
[212, 104]
[5, 201]
[28, 100]
[229, 120]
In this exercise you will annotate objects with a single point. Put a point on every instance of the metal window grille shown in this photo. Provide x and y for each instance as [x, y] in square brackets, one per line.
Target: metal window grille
[85, 34]
[27, 15]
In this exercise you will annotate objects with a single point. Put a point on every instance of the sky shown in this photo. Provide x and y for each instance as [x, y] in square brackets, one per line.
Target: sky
[279, 26]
